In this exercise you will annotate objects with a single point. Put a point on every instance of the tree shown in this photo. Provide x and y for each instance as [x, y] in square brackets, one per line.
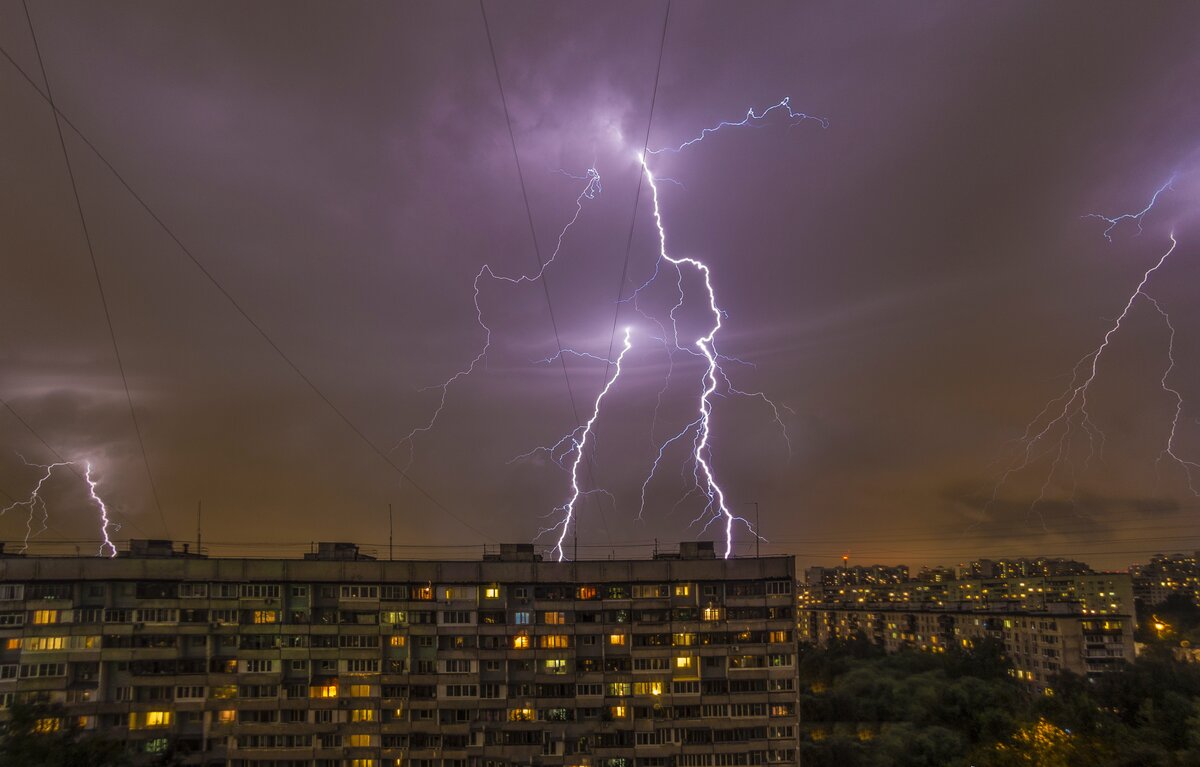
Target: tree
[43, 734]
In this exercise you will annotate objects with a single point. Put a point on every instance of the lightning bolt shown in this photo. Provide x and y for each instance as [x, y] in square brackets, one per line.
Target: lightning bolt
[715, 381]
[579, 440]
[1070, 409]
[592, 187]
[38, 511]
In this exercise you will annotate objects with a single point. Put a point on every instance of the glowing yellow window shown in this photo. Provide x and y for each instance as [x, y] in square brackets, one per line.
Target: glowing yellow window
[555, 618]
[366, 762]
[224, 691]
[323, 691]
[362, 715]
[554, 641]
[423, 593]
[685, 662]
[521, 642]
[398, 640]
[683, 640]
[616, 639]
[47, 725]
[45, 617]
[266, 616]
[618, 712]
[778, 636]
[12, 644]
[711, 614]
[556, 665]
[648, 688]
[227, 716]
[586, 592]
[361, 691]
[491, 592]
[359, 740]
[520, 715]
[683, 589]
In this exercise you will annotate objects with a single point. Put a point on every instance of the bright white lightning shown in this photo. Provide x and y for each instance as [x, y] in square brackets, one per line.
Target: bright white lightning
[591, 188]
[104, 521]
[579, 440]
[38, 510]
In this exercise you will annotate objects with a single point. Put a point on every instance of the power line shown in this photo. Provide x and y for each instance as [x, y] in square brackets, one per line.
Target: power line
[112, 333]
[541, 266]
[69, 464]
[240, 310]
[662, 46]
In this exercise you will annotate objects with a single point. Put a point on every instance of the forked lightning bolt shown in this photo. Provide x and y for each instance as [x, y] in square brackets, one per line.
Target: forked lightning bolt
[592, 187]
[579, 443]
[1050, 432]
[715, 381]
[39, 513]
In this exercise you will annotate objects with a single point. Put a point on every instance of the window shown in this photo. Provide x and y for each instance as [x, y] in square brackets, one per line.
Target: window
[397, 640]
[362, 715]
[360, 592]
[491, 592]
[462, 691]
[259, 591]
[45, 617]
[712, 614]
[586, 592]
[12, 619]
[554, 641]
[685, 662]
[617, 640]
[393, 617]
[520, 642]
[265, 616]
[423, 593]
[12, 591]
[521, 618]
[556, 666]
[618, 689]
[362, 666]
[323, 691]
[520, 715]
[619, 711]
[193, 590]
[456, 617]
[683, 589]
[551, 618]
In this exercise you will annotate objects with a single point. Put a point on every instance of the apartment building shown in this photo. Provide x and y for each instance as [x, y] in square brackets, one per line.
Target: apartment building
[1039, 643]
[336, 660]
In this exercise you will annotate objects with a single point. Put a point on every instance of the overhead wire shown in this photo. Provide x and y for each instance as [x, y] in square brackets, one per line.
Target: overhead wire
[87, 236]
[237, 306]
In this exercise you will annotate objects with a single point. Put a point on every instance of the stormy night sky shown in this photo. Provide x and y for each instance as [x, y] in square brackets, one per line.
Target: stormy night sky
[913, 282]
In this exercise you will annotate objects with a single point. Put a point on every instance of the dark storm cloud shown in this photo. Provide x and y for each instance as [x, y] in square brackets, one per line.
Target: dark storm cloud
[913, 281]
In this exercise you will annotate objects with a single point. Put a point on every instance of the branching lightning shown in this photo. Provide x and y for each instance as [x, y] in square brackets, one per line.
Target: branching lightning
[592, 187]
[579, 440]
[39, 513]
[570, 451]
[1068, 412]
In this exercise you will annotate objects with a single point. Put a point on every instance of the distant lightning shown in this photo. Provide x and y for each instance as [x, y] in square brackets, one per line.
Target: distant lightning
[1070, 409]
[591, 188]
[38, 511]
[579, 440]
[751, 117]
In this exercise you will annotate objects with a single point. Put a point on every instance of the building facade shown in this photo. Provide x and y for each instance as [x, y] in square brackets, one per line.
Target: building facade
[683, 660]
[1039, 644]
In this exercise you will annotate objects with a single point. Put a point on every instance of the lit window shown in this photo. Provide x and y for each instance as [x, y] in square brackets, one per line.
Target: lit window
[616, 639]
[521, 642]
[266, 616]
[586, 592]
[423, 593]
[44, 617]
[323, 691]
[12, 644]
[618, 712]
[227, 716]
[491, 592]
[362, 715]
[556, 665]
[554, 618]
[554, 641]
[685, 662]
[778, 636]
[683, 589]
[398, 640]
[359, 740]
[520, 715]
[361, 691]
[711, 614]
[683, 640]
[49, 724]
